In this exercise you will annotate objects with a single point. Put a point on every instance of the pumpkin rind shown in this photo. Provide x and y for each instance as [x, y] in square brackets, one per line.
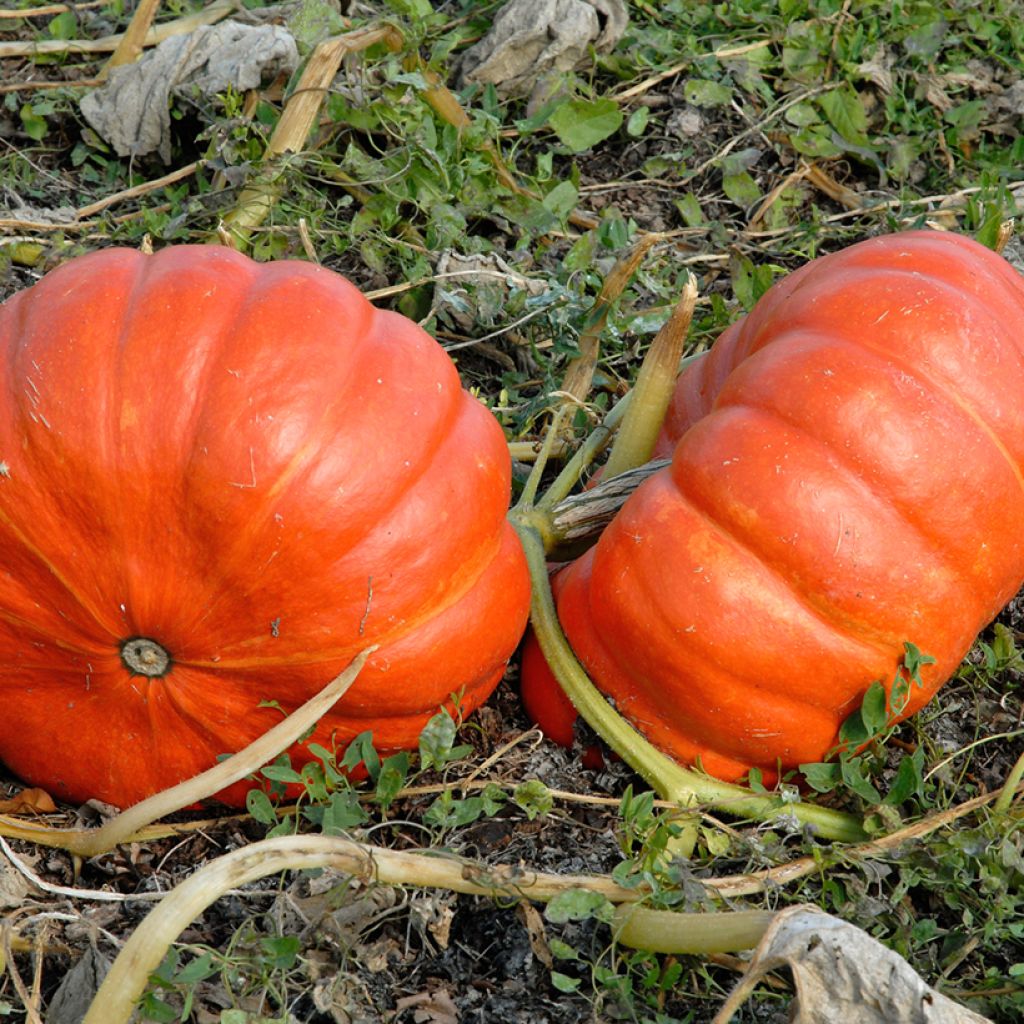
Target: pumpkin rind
[251, 466]
[848, 477]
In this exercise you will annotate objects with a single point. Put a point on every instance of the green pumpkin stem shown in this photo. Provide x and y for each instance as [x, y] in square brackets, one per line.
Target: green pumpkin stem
[667, 778]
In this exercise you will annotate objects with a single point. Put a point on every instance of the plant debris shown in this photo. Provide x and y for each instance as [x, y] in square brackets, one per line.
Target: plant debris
[132, 111]
[532, 39]
[842, 974]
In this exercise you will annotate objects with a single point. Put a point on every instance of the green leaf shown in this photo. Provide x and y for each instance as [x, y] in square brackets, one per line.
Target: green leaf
[258, 804]
[690, 210]
[701, 93]
[280, 773]
[34, 125]
[361, 751]
[343, 811]
[578, 905]
[913, 660]
[909, 780]
[448, 812]
[281, 950]
[534, 798]
[815, 141]
[562, 199]
[64, 26]
[852, 769]
[637, 122]
[155, 1009]
[582, 124]
[741, 188]
[313, 21]
[845, 113]
[562, 950]
[802, 114]
[874, 709]
[821, 777]
[563, 982]
[393, 772]
[198, 969]
[436, 740]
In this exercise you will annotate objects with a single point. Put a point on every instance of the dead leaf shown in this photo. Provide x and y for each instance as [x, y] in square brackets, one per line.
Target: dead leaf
[76, 989]
[879, 69]
[430, 1007]
[842, 974]
[534, 922]
[29, 801]
[490, 280]
[132, 111]
[530, 39]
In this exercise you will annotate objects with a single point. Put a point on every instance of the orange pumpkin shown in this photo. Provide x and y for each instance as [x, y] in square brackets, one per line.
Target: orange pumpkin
[220, 481]
[849, 475]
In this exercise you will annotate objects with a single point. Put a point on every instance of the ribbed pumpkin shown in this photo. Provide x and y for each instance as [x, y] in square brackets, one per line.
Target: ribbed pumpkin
[849, 475]
[220, 481]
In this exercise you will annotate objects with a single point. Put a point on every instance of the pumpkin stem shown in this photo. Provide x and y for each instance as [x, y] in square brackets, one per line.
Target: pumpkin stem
[670, 780]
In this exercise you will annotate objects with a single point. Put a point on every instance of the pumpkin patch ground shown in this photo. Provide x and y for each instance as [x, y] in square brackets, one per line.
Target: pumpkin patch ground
[534, 198]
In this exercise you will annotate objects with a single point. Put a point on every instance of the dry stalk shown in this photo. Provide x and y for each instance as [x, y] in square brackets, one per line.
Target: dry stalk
[652, 392]
[115, 1001]
[657, 930]
[107, 44]
[138, 190]
[300, 116]
[51, 9]
[80, 83]
[773, 196]
[129, 49]
[824, 182]
[580, 372]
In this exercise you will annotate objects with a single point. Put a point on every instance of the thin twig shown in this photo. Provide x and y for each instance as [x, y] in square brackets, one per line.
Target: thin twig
[93, 895]
[138, 190]
[80, 83]
[51, 9]
[30, 1008]
[107, 44]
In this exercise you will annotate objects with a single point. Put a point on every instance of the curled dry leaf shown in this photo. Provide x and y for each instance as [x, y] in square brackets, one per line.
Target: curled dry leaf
[842, 974]
[532, 38]
[132, 111]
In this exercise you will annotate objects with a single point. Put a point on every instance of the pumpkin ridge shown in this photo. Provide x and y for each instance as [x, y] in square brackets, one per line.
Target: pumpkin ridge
[57, 576]
[680, 733]
[903, 509]
[943, 387]
[865, 639]
[20, 320]
[302, 463]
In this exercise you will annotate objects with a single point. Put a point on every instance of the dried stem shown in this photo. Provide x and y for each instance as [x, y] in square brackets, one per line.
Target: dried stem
[129, 49]
[107, 44]
[580, 372]
[650, 397]
[300, 116]
[117, 996]
[138, 190]
[50, 10]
